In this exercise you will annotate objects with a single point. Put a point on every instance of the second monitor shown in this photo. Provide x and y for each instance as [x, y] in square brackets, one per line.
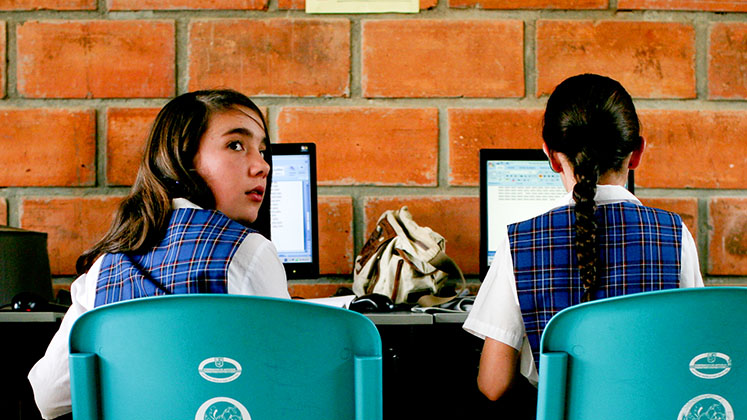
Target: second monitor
[293, 209]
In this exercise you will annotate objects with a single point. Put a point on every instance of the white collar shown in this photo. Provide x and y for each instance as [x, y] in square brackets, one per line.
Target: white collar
[183, 203]
[606, 194]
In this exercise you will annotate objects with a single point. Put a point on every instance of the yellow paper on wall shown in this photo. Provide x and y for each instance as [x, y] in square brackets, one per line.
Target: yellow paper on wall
[362, 6]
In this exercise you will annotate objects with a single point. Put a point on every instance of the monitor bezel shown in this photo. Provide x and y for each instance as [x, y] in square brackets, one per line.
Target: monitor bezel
[304, 270]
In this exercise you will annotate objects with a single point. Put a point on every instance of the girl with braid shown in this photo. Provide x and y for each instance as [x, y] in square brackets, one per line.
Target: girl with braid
[598, 241]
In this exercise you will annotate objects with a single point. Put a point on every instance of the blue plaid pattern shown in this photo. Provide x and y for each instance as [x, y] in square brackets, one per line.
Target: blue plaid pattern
[193, 257]
[639, 251]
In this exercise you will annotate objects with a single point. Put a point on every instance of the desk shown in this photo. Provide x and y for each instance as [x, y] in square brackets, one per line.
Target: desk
[430, 371]
[430, 367]
[26, 336]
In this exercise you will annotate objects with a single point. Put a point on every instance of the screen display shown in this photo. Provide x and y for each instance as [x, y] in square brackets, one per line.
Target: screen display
[517, 190]
[291, 208]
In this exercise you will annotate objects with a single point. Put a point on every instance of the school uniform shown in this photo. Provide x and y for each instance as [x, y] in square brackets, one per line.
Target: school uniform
[202, 251]
[534, 274]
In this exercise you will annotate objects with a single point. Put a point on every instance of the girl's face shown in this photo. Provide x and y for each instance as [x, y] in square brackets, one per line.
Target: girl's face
[230, 159]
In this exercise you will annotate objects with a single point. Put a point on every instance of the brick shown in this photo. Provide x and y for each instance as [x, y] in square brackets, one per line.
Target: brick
[652, 60]
[127, 133]
[376, 146]
[291, 4]
[3, 212]
[308, 290]
[96, 59]
[693, 149]
[727, 61]
[3, 57]
[442, 58]
[301, 4]
[335, 235]
[15, 5]
[728, 236]
[271, 57]
[457, 219]
[188, 4]
[73, 224]
[687, 208]
[47, 147]
[473, 129]
[725, 282]
[127, 130]
[531, 4]
[696, 5]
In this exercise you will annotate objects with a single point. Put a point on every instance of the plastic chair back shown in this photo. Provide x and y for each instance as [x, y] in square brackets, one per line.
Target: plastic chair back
[676, 354]
[221, 357]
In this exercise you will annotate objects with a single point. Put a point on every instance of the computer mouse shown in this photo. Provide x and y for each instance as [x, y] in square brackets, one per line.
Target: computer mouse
[32, 302]
[373, 302]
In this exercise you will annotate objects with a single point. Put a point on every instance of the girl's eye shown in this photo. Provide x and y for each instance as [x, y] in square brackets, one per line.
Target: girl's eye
[262, 153]
[236, 145]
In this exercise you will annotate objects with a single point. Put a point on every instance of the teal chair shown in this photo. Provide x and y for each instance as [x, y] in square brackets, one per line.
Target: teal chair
[224, 357]
[676, 354]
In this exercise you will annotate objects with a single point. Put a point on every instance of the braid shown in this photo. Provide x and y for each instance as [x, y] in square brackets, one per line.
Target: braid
[586, 172]
[591, 120]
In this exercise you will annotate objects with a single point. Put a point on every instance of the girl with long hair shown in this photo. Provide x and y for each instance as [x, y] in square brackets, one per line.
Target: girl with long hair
[195, 221]
[598, 240]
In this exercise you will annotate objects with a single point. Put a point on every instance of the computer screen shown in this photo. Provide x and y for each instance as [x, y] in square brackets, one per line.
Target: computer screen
[293, 208]
[515, 185]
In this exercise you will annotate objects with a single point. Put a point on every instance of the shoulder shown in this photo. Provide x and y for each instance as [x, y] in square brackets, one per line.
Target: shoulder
[196, 219]
[652, 213]
[254, 241]
[557, 217]
[256, 269]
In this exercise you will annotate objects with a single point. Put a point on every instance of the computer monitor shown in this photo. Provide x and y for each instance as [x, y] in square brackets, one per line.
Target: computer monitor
[515, 185]
[24, 264]
[293, 209]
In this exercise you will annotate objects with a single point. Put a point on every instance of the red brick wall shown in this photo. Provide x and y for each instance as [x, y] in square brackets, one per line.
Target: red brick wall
[398, 105]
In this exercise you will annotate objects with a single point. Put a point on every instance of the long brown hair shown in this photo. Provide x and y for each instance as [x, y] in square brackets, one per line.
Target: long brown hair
[590, 119]
[166, 172]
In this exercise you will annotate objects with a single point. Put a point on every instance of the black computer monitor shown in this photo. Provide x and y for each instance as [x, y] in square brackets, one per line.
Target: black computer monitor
[293, 209]
[24, 264]
[515, 185]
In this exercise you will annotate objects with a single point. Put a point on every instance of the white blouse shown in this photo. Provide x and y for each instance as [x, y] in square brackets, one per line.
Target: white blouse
[496, 312]
[255, 269]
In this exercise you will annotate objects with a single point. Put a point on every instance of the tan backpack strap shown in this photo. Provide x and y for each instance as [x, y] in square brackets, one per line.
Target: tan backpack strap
[427, 301]
[444, 263]
[382, 234]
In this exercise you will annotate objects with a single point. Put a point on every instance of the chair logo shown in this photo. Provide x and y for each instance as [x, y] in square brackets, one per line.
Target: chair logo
[707, 407]
[219, 369]
[222, 408]
[710, 365]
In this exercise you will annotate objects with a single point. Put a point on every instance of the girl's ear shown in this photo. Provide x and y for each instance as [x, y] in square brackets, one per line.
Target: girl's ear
[635, 157]
[552, 156]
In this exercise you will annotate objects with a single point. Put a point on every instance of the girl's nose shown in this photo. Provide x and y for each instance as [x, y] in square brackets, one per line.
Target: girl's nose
[258, 165]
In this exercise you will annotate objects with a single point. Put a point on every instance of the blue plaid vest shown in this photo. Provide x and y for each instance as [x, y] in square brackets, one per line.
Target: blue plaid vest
[193, 257]
[639, 250]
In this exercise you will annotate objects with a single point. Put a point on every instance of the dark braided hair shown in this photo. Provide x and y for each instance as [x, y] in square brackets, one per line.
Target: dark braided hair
[591, 120]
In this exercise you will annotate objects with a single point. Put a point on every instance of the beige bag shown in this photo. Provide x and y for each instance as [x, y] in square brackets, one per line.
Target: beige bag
[403, 260]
